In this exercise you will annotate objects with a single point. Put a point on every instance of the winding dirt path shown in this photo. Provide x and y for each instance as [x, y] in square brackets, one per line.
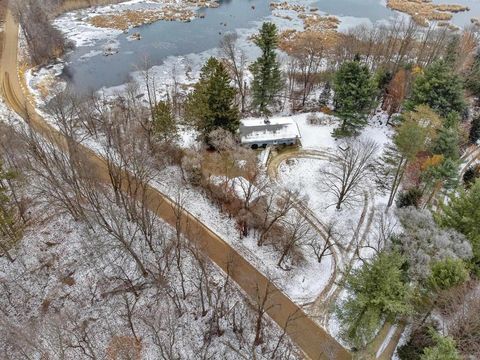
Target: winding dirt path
[312, 339]
[320, 308]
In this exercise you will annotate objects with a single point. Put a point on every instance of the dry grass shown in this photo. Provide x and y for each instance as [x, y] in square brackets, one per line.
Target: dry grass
[291, 41]
[316, 22]
[317, 30]
[135, 18]
[286, 6]
[172, 11]
[124, 347]
[422, 11]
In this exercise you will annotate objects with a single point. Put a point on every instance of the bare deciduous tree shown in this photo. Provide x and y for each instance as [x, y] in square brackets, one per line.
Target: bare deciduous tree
[236, 62]
[347, 169]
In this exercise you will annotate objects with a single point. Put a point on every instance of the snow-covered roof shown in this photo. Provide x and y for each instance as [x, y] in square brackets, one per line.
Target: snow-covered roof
[256, 130]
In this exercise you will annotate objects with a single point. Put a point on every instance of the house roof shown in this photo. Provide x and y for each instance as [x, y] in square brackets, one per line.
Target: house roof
[259, 129]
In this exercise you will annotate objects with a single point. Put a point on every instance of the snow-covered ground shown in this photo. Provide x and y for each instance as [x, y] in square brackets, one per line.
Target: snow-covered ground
[302, 284]
[70, 275]
[304, 174]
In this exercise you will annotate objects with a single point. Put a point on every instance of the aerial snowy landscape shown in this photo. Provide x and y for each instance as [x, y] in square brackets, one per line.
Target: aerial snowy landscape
[211, 179]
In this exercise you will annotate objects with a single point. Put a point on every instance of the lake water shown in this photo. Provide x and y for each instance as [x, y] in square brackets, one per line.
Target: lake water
[173, 38]
[160, 40]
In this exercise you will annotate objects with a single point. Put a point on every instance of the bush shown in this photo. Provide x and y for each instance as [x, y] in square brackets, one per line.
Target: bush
[314, 119]
[447, 274]
[474, 135]
[420, 338]
[444, 348]
[472, 174]
[410, 197]
[192, 168]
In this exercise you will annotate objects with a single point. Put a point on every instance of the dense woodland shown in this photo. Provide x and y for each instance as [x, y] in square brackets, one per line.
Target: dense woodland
[131, 285]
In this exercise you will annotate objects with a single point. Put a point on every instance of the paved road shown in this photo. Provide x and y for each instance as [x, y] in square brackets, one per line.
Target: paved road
[315, 342]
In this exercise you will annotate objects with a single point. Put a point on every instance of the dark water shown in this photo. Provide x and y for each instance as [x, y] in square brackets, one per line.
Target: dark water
[160, 40]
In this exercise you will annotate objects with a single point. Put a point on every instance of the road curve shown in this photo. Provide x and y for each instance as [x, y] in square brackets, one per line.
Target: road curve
[312, 339]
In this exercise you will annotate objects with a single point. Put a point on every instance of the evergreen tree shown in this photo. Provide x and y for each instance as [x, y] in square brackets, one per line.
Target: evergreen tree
[447, 144]
[451, 51]
[474, 134]
[439, 88]
[444, 349]
[354, 90]
[267, 78]
[164, 126]
[325, 95]
[462, 213]
[472, 78]
[212, 103]
[410, 138]
[452, 120]
[377, 290]
[439, 171]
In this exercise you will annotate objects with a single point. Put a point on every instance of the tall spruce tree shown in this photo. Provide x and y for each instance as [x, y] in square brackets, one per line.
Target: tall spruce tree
[212, 103]
[378, 290]
[439, 88]
[354, 91]
[267, 78]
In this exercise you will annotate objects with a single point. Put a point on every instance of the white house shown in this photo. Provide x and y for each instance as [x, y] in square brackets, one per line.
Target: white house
[262, 132]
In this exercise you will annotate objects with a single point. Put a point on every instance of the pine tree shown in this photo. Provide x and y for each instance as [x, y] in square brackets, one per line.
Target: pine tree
[409, 140]
[439, 88]
[474, 134]
[462, 213]
[354, 90]
[378, 290]
[164, 126]
[472, 78]
[267, 78]
[447, 144]
[212, 103]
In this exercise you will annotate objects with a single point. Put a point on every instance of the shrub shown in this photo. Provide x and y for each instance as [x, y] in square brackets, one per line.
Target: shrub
[410, 197]
[447, 273]
[420, 338]
[314, 119]
[470, 175]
